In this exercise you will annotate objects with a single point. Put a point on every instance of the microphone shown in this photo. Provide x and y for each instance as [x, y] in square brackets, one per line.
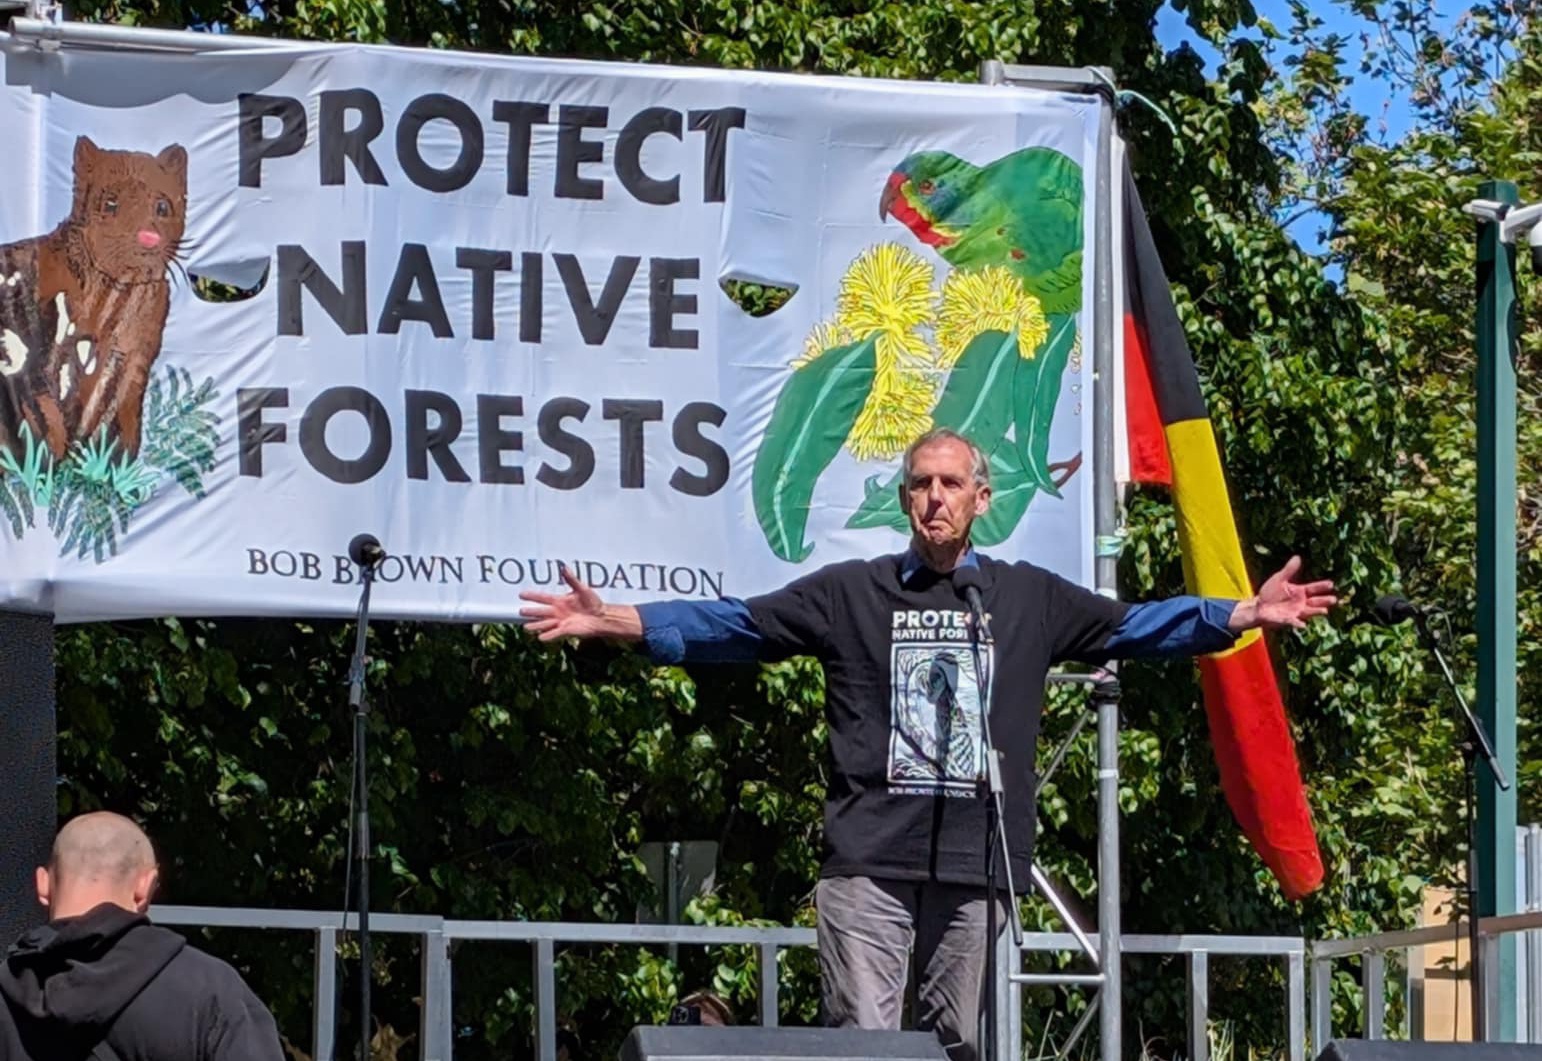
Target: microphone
[1391, 609]
[970, 581]
[365, 550]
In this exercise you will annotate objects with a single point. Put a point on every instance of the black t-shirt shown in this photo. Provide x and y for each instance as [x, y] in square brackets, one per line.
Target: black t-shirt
[905, 800]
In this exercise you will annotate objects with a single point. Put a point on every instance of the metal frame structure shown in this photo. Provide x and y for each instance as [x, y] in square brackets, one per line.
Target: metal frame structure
[43, 27]
[436, 935]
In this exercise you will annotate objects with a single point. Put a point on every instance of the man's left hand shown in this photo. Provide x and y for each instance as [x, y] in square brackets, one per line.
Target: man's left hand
[1284, 602]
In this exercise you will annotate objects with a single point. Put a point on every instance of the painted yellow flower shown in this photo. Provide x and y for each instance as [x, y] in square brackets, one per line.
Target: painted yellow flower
[988, 299]
[827, 335]
[886, 294]
[897, 409]
[896, 413]
[887, 291]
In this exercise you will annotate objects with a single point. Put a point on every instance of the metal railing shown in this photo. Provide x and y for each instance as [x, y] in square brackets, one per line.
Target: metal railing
[1372, 951]
[435, 934]
[1197, 950]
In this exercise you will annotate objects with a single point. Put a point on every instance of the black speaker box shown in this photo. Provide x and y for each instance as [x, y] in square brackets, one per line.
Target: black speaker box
[708, 1043]
[27, 770]
[1386, 1050]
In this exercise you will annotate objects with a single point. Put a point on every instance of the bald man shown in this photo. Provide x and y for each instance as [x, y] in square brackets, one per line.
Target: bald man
[99, 981]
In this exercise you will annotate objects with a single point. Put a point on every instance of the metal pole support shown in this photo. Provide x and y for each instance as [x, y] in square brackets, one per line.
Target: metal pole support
[544, 976]
[1105, 700]
[1322, 1003]
[1295, 1006]
[324, 994]
[435, 1026]
[1199, 1006]
[1496, 335]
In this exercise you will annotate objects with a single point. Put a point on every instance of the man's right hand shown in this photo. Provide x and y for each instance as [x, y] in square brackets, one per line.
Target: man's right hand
[579, 613]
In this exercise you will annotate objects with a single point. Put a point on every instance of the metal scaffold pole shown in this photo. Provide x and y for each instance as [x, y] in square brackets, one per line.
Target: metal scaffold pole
[1106, 525]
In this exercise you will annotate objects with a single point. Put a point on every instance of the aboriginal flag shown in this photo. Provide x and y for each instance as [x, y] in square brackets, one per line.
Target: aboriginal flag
[1171, 442]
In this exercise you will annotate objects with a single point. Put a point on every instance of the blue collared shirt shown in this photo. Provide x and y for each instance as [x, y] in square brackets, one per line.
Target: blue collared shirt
[724, 631]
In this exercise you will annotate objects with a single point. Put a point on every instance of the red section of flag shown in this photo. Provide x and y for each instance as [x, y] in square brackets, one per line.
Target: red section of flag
[1257, 760]
[1143, 422]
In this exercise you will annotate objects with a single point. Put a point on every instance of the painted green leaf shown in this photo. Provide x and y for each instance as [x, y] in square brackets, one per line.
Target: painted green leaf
[1012, 488]
[880, 507]
[977, 400]
[1035, 394]
[813, 415]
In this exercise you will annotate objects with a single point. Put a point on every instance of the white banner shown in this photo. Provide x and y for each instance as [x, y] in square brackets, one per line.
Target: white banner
[486, 311]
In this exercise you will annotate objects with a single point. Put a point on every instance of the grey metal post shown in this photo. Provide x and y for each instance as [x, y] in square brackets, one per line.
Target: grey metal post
[1495, 1005]
[1533, 861]
[1373, 980]
[434, 1020]
[324, 991]
[1295, 1006]
[770, 1006]
[1106, 696]
[1199, 1006]
[544, 954]
[1105, 501]
[1015, 1005]
[1105, 319]
[44, 33]
[1322, 1003]
[672, 893]
[1008, 1035]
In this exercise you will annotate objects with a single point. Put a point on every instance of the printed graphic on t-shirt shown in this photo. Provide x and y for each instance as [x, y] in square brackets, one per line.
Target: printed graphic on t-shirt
[935, 744]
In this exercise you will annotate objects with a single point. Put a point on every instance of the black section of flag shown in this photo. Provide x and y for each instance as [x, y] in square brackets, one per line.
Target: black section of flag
[1149, 301]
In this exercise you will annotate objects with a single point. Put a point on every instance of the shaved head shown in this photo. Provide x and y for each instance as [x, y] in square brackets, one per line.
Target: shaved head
[97, 858]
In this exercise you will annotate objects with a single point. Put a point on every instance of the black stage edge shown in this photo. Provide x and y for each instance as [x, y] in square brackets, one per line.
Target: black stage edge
[27, 767]
[1387, 1050]
[750, 1043]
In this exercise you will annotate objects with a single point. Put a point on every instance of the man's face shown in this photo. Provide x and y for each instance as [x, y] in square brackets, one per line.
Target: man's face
[940, 497]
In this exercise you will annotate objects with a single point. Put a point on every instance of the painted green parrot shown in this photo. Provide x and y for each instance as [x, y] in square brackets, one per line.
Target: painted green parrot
[1023, 211]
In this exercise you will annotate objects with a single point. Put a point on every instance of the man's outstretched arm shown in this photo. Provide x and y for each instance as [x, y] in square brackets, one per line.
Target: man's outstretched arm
[716, 631]
[1282, 602]
[1092, 629]
[579, 613]
[1195, 626]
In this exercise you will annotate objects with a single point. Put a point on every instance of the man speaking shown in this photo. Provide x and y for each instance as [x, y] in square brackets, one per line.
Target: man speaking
[903, 865]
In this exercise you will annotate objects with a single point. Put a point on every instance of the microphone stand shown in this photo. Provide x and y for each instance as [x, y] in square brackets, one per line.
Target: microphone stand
[360, 705]
[1474, 743]
[995, 836]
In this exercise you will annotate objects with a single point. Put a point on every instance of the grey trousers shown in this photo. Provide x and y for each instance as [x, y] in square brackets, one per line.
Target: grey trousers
[867, 929]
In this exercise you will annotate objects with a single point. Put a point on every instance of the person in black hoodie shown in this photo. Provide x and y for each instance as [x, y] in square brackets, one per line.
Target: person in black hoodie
[99, 981]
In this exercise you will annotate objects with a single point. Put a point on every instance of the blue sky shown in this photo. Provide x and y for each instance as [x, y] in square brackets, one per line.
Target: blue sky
[1368, 96]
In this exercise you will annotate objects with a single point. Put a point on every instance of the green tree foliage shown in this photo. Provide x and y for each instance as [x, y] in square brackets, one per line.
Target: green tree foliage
[516, 782]
[1396, 234]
